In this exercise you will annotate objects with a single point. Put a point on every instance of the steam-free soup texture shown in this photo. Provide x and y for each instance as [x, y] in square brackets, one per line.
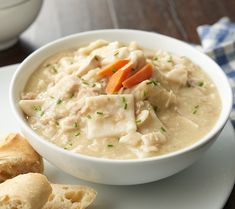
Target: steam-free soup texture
[120, 101]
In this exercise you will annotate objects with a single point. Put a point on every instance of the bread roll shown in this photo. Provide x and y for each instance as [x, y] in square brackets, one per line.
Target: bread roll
[70, 197]
[26, 191]
[18, 157]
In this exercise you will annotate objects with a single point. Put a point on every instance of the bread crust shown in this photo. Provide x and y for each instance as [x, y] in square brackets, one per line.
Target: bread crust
[70, 197]
[26, 191]
[18, 157]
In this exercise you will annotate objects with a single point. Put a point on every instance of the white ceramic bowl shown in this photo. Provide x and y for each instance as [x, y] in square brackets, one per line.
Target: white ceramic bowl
[15, 17]
[120, 172]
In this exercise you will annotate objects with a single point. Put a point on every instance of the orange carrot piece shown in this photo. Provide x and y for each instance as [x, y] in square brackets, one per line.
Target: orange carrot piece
[141, 75]
[112, 68]
[115, 82]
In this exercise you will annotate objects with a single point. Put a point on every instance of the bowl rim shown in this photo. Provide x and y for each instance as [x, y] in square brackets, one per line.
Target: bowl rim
[196, 145]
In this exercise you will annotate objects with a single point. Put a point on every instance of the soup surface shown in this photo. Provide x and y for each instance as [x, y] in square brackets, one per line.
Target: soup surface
[120, 101]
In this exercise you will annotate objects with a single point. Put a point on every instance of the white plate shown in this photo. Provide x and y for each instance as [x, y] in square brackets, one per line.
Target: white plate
[207, 184]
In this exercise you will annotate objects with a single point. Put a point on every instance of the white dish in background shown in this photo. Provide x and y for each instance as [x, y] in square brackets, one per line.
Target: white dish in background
[16, 16]
[206, 184]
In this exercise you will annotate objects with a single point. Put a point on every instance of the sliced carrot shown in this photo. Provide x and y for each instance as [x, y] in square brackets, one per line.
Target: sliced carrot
[115, 82]
[141, 75]
[112, 68]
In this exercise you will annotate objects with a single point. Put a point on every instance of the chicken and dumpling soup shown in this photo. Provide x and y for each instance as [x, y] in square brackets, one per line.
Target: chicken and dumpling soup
[120, 101]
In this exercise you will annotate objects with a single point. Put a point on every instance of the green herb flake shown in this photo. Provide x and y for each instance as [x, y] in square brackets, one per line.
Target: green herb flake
[36, 108]
[156, 109]
[110, 145]
[123, 99]
[57, 123]
[170, 60]
[152, 82]
[52, 97]
[103, 93]
[42, 113]
[77, 134]
[99, 113]
[195, 109]
[68, 145]
[200, 83]
[116, 53]
[54, 69]
[88, 116]
[59, 101]
[85, 82]
[71, 95]
[114, 70]
[155, 58]
[163, 129]
[48, 65]
[145, 95]
[138, 121]
[93, 85]
[75, 125]
[124, 103]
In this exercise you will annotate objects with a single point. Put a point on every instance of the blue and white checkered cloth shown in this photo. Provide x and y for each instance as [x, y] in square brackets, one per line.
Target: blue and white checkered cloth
[218, 41]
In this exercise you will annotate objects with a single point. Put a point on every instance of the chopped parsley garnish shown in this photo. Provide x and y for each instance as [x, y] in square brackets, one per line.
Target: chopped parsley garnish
[114, 70]
[57, 123]
[155, 58]
[163, 129]
[99, 113]
[77, 134]
[200, 83]
[52, 97]
[156, 109]
[36, 107]
[54, 69]
[138, 121]
[116, 53]
[124, 103]
[85, 82]
[93, 85]
[88, 116]
[152, 82]
[48, 65]
[75, 125]
[170, 60]
[110, 145]
[59, 101]
[195, 109]
[145, 95]
[68, 145]
[42, 113]
[71, 95]
[103, 93]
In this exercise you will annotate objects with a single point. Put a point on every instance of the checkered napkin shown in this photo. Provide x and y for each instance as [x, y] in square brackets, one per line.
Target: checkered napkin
[218, 41]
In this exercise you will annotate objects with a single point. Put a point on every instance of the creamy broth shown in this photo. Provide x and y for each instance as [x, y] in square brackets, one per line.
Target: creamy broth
[67, 101]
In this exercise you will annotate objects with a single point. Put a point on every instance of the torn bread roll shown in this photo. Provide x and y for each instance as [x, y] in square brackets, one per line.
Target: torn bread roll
[26, 191]
[70, 197]
[18, 157]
